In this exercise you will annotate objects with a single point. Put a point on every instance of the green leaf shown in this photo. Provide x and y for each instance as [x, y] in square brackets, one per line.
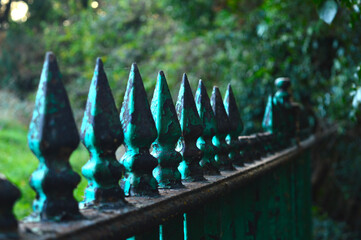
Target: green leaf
[327, 11]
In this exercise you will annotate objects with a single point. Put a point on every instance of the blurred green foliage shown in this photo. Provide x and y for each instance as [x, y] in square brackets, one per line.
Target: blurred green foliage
[247, 43]
[324, 228]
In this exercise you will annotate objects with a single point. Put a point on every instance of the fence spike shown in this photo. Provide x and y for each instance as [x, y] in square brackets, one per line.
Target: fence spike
[139, 133]
[192, 129]
[236, 127]
[101, 133]
[169, 131]
[52, 137]
[223, 125]
[204, 142]
[286, 113]
[9, 194]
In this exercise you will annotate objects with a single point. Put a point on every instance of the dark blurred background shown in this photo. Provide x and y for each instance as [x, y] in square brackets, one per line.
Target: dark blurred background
[246, 43]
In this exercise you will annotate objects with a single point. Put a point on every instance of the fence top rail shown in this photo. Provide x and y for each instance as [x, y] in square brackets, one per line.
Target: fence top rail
[143, 213]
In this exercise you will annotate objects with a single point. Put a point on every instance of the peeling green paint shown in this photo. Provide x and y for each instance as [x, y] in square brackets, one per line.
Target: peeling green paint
[52, 137]
[101, 133]
[169, 131]
[204, 142]
[191, 129]
[139, 133]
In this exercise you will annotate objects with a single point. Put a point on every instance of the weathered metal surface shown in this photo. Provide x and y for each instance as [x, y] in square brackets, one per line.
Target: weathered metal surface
[236, 127]
[169, 131]
[150, 212]
[101, 133]
[204, 142]
[222, 130]
[52, 138]
[9, 194]
[139, 133]
[192, 129]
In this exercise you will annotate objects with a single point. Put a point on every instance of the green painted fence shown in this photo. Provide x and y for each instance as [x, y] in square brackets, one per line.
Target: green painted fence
[202, 180]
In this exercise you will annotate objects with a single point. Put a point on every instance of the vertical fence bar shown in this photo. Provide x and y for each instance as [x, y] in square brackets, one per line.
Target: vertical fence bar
[172, 229]
[212, 219]
[303, 196]
[227, 217]
[238, 203]
[194, 224]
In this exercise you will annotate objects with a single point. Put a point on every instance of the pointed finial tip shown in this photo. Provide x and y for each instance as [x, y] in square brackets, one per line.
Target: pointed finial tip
[201, 84]
[161, 73]
[50, 56]
[99, 62]
[184, 78]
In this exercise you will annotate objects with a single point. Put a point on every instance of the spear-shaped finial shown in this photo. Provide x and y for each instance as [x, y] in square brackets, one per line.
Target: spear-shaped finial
[192, 129]
[236, 127]
[223, 126]
[9, 194]
[52, 137]
[209, 124]
[169, 131]
[101, 133]
[139, 133]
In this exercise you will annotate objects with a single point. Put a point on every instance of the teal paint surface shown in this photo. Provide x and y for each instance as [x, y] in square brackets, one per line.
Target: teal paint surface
[235, 129]
[172, 229]
[204, 142]
[227, 216]
[212, 216]
[101, 133]
[238, 199]
[222, 130]
[169, 131]
[52, 137]
[191, 129]
[139, 133]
